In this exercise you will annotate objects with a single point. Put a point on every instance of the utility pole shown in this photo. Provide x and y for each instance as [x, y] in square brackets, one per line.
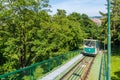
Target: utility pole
[109, 42]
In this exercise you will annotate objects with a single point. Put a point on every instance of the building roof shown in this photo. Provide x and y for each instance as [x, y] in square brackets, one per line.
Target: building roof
[97, 21]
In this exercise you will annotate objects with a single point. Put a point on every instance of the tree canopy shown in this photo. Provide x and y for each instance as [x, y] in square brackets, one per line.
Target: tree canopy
[115, 22]
[28, 34]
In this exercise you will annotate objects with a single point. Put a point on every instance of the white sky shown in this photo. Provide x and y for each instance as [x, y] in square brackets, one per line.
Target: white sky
[89, 7]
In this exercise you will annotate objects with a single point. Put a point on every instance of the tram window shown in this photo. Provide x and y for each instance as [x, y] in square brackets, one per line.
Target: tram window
[89, 43]
[92, 43]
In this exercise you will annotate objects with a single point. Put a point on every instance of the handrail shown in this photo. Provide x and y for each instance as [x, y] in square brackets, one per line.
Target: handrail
[43, 67]
[103, 67]
[101, 63]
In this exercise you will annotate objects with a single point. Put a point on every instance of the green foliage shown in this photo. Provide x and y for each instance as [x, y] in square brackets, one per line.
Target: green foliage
[36, 71]
[90, 27]
[28, 34]
[19, 24]
[115, 62]
[115, 22]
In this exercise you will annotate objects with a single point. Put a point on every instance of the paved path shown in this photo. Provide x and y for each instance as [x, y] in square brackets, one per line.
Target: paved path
[54, 74]
[95, 69]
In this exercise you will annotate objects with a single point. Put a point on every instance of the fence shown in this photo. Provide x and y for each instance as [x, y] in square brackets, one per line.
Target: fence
[102, 73]
[37, 70]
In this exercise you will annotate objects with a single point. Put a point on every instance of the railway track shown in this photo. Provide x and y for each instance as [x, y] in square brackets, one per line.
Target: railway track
[80, 70]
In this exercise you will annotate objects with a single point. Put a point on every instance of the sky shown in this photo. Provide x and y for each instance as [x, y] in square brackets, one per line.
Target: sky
[89, 7]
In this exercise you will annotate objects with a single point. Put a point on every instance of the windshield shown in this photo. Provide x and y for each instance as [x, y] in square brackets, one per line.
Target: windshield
[89, 43]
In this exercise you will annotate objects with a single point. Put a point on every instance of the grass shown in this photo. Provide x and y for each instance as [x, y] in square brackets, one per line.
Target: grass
[115, 64]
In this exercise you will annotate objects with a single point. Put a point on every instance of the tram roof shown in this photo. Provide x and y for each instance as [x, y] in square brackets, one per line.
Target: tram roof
[90, 40]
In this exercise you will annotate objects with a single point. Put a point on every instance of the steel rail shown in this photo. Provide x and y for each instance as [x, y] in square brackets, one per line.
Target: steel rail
[87, 70]
[80, 70]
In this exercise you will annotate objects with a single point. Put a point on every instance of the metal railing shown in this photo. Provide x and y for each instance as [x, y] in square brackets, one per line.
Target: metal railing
[36, 71]
[103, 68]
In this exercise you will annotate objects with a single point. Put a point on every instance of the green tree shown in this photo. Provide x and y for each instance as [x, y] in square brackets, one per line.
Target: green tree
[20, 22]
[90, 28]
[115, 22]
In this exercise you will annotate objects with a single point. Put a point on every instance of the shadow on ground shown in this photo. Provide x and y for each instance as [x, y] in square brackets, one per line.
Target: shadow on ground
[115, 51]
[117, 76]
